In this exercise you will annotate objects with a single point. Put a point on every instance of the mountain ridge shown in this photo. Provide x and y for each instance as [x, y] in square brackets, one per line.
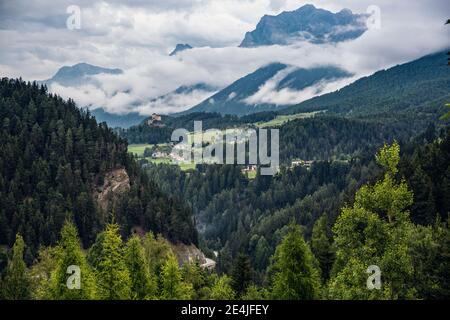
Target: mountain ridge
[307, 23]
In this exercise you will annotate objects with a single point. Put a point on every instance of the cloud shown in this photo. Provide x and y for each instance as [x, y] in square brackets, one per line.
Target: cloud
[172, 103]
[268, 94]
[137, 36]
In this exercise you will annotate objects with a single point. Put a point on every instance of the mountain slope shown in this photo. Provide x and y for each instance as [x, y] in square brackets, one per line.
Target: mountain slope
[239, 97]
[117, 120]
[56, 162]
[180, 47]
[306, 24]
[420, 86]
[78, 74]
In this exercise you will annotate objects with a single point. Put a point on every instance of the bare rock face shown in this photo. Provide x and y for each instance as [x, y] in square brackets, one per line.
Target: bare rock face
[190, 253]
[116, 183]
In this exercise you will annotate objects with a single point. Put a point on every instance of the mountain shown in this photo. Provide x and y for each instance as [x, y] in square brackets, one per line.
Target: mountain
[117, 120]
[421, 86]
[238, 98]
[307, 23]
[57, 163]
[78, 74]
[180, 47]
[187, 90]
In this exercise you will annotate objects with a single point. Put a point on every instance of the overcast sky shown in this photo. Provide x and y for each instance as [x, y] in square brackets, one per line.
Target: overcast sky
[137, 36]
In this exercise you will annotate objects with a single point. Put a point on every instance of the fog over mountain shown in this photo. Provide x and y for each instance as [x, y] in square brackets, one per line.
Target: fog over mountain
[118, 36]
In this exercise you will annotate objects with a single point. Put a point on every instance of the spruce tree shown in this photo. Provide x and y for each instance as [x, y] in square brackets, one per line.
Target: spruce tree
[172, 284]
[70, 255]
[241, 276]
[295, 276]
[222, 289]
[113, 278]
[16, 284]
[142, 285]
[321, 246]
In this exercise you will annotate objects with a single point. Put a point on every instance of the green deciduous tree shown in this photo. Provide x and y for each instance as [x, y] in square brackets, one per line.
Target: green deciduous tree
[375, 231]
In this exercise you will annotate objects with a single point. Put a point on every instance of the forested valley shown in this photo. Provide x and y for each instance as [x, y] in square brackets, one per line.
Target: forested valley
[376, 193]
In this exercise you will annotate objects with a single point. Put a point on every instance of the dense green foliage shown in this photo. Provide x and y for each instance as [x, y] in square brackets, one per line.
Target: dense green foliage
[374, 228]
[419, 87]
[309, 232]
[15, 284]
[295, 276]
[53, 158]
[331, 138]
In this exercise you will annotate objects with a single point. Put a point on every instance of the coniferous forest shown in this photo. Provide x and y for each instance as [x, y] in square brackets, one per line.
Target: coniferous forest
[224, 159]
[302, 234]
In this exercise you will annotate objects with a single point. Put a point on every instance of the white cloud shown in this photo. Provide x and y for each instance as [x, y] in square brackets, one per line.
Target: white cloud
[268, 94]
[137, 36]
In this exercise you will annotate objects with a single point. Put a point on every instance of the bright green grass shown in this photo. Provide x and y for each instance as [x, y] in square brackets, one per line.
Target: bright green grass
[251, 175]
[187, 166]
[138, 149]
[160, 160]
[280, 120]
[168, 161]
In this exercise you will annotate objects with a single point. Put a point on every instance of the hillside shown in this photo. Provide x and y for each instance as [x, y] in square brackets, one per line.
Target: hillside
[242, 96]
[78, 74]
[57, 162]
[421, 87]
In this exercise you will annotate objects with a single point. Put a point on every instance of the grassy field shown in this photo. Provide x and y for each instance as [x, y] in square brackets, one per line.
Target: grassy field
[279, 120]
[251, 175]
[138, 149]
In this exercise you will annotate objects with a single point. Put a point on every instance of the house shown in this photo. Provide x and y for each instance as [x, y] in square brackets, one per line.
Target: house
[304, 163]
[159, 154]
[250, 169]
[155, 120]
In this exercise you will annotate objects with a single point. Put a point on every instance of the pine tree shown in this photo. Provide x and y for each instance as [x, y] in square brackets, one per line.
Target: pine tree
[41, 271]
[113, 278]
[16, 284]
[254, 293]
[69, 255]
[295, 276]
[222, 289]
[142, 285]
[199, 278]
[242, 274]
[173, 287]
[321, 246]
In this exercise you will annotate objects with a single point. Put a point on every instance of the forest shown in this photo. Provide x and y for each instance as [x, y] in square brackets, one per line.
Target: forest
[375, 195]
[53, 158]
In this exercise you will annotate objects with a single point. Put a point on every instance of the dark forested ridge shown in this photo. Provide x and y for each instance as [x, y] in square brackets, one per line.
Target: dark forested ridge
[421, 86]
[53, 160]
[338, 138]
